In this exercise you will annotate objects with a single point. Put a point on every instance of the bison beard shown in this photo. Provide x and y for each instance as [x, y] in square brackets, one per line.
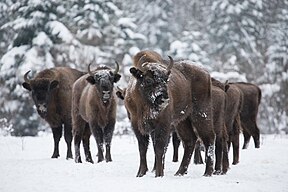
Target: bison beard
[156, 111]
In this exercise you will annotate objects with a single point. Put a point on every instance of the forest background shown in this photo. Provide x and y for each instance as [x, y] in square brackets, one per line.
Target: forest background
[236, 40]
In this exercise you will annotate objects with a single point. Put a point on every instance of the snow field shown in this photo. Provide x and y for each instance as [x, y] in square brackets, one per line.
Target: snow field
[25, 165]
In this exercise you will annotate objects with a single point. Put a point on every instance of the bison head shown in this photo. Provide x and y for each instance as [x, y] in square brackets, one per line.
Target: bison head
[103, 78]
[152, 79]
[41, 92]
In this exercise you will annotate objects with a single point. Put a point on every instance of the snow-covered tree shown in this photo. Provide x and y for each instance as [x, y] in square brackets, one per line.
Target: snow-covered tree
[275, 79]
[5, 35]
[236, 31]
[237, 40]
[154, 19]
[29, 50]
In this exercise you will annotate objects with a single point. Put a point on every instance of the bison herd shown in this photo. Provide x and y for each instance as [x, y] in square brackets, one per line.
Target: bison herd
[164, 98]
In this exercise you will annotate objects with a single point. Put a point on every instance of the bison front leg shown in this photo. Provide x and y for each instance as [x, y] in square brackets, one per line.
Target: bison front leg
[86, 144]
[143, 142]
[108, 134]
[98, 135]
[160, 140]
[57, 134]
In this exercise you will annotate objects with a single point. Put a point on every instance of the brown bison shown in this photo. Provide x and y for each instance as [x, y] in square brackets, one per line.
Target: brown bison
[162, 96]
[51, 93]
[221, 148]
[232, 119]
[219, 100]
[248, 115]
[94, 110]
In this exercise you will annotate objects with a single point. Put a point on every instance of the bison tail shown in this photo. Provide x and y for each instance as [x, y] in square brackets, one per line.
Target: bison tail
[259, 95]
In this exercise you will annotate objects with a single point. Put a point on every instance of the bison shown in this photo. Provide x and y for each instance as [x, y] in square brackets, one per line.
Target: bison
[164, 95]
[248, 115]
[221, 149]
[232, 119]
[94, 110]
[51, 93]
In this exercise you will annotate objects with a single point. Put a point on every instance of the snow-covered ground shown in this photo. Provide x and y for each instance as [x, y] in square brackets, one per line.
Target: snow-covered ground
[25, 165]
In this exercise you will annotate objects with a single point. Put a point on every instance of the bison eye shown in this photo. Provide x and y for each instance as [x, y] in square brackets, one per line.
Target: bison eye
[149, 81]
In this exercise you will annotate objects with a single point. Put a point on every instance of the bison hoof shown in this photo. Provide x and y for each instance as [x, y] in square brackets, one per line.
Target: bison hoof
[55, 156]
[90, 160]
[235, 162]
[69, 156]
[180, 172]
[141, 172]
[217, 172]
[159, 175]
[100, 160]
[207, 174]
[224, 172]
[108, 160]
[78, 159]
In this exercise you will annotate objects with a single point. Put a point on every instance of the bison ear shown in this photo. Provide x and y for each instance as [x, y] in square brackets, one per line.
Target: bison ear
[226, 87]
[116, 77]
[136, 72]
[120, 95]
[26, 86]
[53, 84]
[91, 80]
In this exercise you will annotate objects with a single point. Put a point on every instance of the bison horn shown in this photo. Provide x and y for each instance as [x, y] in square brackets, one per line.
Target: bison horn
[141, 63]
[89, 71]
[26, 77]
[117, 67]
[142, 59]
[170, 64]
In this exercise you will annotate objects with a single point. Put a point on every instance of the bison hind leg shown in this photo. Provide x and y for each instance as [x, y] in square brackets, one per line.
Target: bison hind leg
[176, 144]
[108, 153]
[77, 141]
[68, 139]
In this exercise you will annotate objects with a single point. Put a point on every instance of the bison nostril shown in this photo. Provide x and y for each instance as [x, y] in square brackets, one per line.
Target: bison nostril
[106, 92]
[42, 108]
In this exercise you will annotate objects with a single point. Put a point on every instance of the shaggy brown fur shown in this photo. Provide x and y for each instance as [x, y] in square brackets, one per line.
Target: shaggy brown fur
[221, 150]
[156, 105]
[234, 99]
[94, 105]
[232, 118]
[248, 115]
[146, 56]
[51, 92]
